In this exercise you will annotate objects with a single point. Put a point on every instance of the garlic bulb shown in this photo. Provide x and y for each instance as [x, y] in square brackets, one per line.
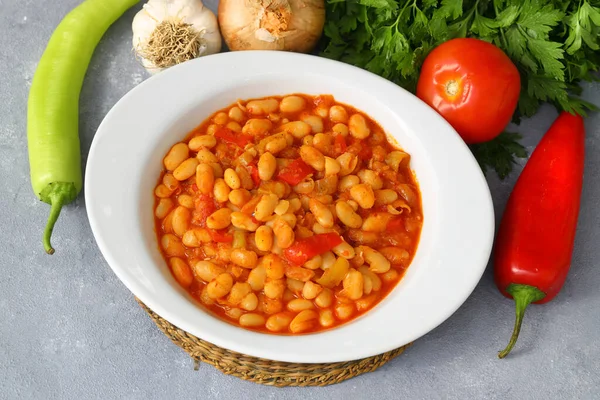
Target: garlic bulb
[169, 32]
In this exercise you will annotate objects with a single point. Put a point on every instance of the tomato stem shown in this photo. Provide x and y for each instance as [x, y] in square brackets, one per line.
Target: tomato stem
[452, 88]
[523, 296]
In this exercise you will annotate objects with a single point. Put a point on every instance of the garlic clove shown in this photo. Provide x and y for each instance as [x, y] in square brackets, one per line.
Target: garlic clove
[206, 23]
[142, 26]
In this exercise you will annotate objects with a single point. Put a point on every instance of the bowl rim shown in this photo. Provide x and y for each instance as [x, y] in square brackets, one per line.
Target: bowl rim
[266, 64]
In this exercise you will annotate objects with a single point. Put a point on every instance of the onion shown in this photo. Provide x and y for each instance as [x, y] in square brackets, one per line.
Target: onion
[292, 25]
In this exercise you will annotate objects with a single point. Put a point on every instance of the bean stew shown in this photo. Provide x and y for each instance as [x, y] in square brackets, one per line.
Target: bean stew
[289, 214]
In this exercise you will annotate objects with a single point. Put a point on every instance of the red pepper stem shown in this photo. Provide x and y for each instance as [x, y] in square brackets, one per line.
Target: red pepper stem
[523, 296]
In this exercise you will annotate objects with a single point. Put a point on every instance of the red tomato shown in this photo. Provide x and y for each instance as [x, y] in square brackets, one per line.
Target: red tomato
[339, 144]
[304, 249]
[220, 236]
[230, 136]
[473, 85]
[295, 172]
[395, 224]
[366, 152]
[204, 206]
[254, 174]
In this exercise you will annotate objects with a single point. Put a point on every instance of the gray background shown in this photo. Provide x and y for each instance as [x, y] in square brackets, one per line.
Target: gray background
[70, 329]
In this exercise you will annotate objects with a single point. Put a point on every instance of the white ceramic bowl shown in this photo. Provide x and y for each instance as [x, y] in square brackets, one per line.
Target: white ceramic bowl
[125, 161]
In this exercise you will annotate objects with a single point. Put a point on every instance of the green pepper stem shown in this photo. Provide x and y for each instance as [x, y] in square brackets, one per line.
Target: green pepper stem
[523, 296]
[57, 194]
[57, 202]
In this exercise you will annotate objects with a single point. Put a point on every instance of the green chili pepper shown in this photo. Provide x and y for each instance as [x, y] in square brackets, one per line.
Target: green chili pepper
[53, 106]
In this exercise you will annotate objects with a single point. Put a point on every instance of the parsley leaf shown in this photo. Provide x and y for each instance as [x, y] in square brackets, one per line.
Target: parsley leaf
[583, 26]
[449, 9]
[499, 154]
[538, 19]
[507, 17]
[555, 44]
[546, 88]
[483, 27]
[380, 3]
[549, 55]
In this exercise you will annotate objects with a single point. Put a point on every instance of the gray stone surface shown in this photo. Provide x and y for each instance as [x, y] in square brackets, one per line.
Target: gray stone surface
[69, 328]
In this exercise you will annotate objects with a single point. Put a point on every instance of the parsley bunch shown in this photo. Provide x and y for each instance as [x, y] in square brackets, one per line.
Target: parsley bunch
[554, 43]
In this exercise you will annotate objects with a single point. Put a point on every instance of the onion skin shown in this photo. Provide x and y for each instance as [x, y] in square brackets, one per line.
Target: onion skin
[289, 25]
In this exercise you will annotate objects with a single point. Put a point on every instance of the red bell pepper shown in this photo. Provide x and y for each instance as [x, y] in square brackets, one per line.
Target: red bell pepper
[295, 172]
[339, 144]
[304, 249]
[536, 235]
[254, 174]
[366, 152]
[204, 206]
[395, 224]
[220, 236]
[230, 136]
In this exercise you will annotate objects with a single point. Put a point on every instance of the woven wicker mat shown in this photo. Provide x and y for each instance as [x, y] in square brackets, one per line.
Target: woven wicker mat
[267, 372]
